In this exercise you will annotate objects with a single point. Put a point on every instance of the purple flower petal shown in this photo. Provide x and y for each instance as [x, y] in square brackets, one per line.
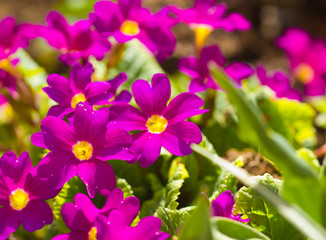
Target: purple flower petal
[90, 125]
[35, 215]
[130, 207]
[178, 137]
[72, 236]
[147, 228]
[9, 222]
[58, 167]
[222, 206]
[124, 96]
[80, 76]
[114, 146]
[60, 111]
[157, 95]
[59, 89]
[81, 215]
[127, 117]
[117, 81]
[183, 106]
[14, 170]
[58, 135]
[38, 140]
[98, 176]
[107, 17]
[148, 145]
[239, 71]
[190, 66]
[97, 92]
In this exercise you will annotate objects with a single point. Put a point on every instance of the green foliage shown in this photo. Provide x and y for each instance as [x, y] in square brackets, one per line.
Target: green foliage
[262, 215]
[301, 184]
[172, 220]
[225, 228]
[67, 194]
[197, 227]
[293, 119]
[125, 187]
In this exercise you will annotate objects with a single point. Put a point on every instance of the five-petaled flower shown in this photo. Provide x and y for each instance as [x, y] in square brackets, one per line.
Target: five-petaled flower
[80, 88]
[198, 69]
[75, 42]
[110, 222]
[206, 15]
[82, 149]
[22, 195]
[127, 20]
[279, 83]
[307, 57]
[158, 124]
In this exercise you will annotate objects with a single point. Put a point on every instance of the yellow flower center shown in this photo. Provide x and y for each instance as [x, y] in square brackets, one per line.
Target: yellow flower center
[92, 234]
[201, 33]
[83, 150]
[156, 124]
[6, 65]
[129, 28]
[77, 99]
[304, 73]
[18, 199]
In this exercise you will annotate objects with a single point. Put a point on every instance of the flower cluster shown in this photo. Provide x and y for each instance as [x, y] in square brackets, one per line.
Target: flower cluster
[92, 122]
[110, 222]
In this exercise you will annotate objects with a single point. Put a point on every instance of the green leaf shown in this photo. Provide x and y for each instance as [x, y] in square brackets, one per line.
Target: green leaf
[125, 187]
[172, 220]
[149, 207]
[301, 220]
[262, 215]
[301, 184]
[197, 227]
[225, 228]
[177, 175]
[293, 119]
[67, 194]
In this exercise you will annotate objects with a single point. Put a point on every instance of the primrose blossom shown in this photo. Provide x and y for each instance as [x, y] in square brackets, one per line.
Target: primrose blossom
[207, 15]
[222, 206]
[307, 58]
[279, 83]
[22, 195]
[80, 88]
[156, 124]
[75, 42]
[198, 69]
[82, 148]
[110, 222]
[127, 20]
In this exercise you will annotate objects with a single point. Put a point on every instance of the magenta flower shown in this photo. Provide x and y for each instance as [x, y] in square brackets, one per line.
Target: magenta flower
[80, 88]
[77, 41]
[206, 15]
[13, 36]
[111, 222]
[22, 195]
[199, 72]
[279, 83]
[222, 206]
[127, 20]
[82, 149]
[307, 57]
[158, 124]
